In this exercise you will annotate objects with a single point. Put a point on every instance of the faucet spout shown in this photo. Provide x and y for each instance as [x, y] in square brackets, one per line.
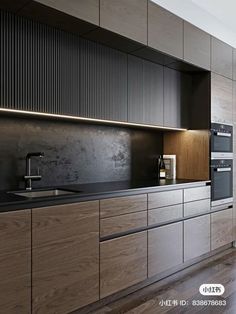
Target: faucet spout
[29, 177]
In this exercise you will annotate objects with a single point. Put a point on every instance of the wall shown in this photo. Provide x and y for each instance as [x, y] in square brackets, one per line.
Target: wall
[75, 153]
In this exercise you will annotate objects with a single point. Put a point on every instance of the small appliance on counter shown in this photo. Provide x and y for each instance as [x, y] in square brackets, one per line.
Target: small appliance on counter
[170, 165]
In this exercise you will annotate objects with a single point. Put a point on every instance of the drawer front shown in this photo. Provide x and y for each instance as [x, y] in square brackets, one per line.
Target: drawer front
[165, 248]
[123, 262]
[196, 237]
[123, 223]
[221, 228]
[122, 205]
[161, 199]
[198, 207]
[164, 214]
[194, 194]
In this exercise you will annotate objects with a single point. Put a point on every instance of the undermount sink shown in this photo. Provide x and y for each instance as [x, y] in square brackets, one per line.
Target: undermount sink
[44, 193]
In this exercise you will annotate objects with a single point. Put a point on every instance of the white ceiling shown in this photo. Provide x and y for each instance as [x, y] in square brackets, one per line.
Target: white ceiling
[217, 17]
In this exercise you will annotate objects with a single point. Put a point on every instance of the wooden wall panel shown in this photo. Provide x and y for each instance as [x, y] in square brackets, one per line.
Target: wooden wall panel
[192, 153]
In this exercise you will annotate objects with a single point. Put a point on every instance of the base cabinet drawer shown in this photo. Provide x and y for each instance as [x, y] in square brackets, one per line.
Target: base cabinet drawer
[123, 262]
[167, 198]
[164, 214]
[196, 237]
[197, 207]
[165, 248]
[199, 193]
[221, 228]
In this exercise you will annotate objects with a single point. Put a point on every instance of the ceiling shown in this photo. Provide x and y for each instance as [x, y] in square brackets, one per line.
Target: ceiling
[217, 17]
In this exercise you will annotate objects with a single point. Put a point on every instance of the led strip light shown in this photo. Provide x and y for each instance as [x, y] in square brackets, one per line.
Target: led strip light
[74, 118]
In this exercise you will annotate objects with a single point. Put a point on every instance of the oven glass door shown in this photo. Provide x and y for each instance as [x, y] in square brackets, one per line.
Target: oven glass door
[222, 142]
[222, 182]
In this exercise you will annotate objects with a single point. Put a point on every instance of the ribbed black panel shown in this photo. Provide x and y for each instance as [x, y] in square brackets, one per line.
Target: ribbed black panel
[39, 67]
[145, 91]
[103, 82]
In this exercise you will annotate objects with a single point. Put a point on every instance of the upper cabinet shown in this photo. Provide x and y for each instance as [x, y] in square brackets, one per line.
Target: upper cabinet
[177, 98]
[221, 99]
[221, 58]
[87, 10]
[165, 31]
[234, 64]
[127, 18]
[145, 92]
[197, 46]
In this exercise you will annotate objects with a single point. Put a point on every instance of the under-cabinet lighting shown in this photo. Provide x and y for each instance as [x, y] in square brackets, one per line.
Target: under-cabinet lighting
[68, 117]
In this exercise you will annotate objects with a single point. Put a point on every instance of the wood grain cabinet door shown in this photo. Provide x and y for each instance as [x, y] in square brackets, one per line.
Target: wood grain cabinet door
[196, 237]
[165, 248]
[123, 262]
[65, 243]
[15, 262]
[221, 228]
[221, 58]
[165, 31]
[197, 46]
[127, 18]
[221, 99]
[87, 10]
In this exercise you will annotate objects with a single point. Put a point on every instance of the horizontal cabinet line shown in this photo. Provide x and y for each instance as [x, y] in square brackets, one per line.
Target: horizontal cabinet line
[131, 231]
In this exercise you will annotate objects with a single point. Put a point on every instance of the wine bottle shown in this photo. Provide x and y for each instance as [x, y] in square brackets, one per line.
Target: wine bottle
[162, 168]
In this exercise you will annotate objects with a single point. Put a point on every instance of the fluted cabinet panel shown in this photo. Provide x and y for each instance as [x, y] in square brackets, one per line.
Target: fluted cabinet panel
[103, 82]
[39, 67]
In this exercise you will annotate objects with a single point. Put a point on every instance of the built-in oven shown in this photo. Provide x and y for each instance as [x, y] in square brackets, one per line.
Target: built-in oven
[221, 140]
[221, 181]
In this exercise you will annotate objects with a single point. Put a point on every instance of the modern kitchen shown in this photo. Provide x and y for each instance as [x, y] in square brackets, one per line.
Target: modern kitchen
[117, 153]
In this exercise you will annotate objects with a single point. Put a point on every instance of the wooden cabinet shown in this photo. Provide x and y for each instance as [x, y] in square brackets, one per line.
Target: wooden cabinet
[221, 58]
[197, 207]
[196, 237]
[122, 223]
[221, 228]
[164, 214]
[165, 248]
[145, 92]
[65, 262]
[122, 205]
[165, 31]
[197, 46]
[123, 262]
[87, 10]
[127, 18]
[167, 198]
[221, 99]
[198, 193]
[234, 63]
[177, 98]
[15, 262]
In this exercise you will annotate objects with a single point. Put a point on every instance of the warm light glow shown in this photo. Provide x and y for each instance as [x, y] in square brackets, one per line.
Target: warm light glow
[67, 117]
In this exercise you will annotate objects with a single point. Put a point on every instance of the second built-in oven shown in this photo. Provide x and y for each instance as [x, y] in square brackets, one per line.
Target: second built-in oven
[221, 181]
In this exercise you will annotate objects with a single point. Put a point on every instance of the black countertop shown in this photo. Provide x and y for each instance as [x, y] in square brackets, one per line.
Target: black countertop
[93, 191]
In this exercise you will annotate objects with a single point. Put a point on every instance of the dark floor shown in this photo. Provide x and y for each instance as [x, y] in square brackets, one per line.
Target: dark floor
[184, 286]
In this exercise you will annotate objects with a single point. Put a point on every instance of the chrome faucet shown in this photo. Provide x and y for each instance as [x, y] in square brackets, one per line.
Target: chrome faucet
[28, 177]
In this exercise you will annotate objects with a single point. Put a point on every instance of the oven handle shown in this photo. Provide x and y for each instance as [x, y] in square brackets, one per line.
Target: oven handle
[223, 169]
[223, 134]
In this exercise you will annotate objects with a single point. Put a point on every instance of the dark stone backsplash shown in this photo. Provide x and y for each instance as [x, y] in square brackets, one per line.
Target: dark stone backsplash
[75, 152]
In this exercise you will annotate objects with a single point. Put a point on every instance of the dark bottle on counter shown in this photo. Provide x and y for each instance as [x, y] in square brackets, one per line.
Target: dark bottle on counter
[161, 168]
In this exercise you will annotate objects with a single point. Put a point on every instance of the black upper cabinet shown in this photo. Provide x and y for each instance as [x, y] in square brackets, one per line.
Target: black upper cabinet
[145, 92]
[197, 46]
[221, 58]
[103, 82]
[177, 94]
